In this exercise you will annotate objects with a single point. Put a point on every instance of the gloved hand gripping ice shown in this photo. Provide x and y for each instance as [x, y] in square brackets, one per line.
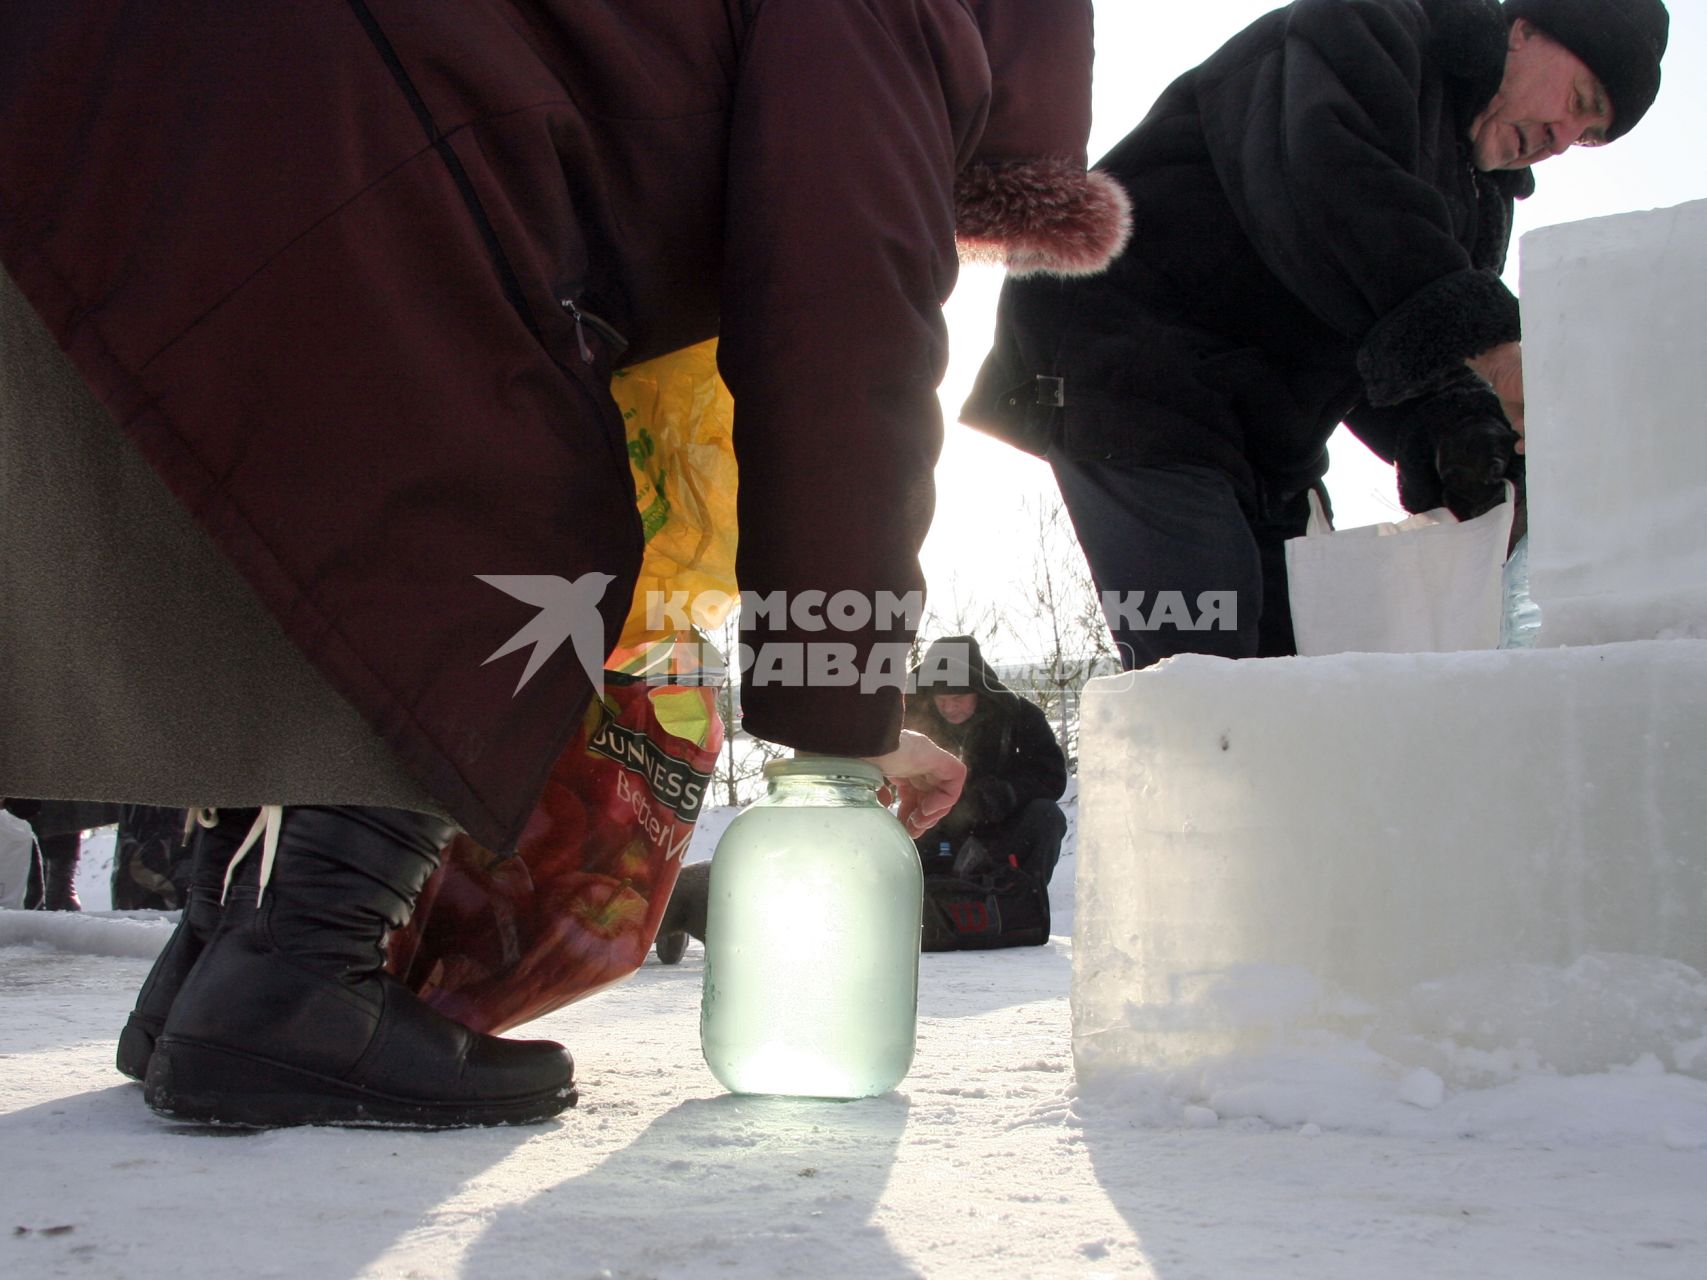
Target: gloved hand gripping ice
[1457, 451]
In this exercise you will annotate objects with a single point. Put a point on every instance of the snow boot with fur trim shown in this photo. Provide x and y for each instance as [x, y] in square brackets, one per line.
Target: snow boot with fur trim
[288, 1017]
[219, 834]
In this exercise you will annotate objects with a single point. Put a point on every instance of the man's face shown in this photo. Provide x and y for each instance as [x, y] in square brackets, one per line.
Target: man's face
[1549, 100]
[956, 708]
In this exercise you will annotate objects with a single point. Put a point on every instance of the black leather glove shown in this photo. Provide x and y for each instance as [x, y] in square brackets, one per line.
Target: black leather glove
[1473, 462]
[1456, 450]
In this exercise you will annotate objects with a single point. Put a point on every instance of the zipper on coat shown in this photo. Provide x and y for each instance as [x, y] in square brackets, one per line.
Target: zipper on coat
[507, 279]
[585, 320]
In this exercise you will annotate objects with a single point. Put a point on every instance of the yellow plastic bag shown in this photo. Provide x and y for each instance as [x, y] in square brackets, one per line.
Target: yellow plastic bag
[680, 420]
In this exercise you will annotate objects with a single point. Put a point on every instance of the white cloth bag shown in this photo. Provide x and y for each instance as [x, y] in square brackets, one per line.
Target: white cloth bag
[1428, 584]
[17, 851]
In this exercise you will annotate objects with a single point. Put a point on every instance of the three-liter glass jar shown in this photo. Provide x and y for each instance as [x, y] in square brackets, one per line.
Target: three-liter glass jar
[812, 938]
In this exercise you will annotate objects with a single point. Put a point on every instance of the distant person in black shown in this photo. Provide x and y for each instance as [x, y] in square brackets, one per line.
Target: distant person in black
[1015, 770]
[59, 827]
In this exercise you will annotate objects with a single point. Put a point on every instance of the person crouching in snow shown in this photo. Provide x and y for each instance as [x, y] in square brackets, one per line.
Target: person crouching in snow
[351, 278]
[1015, 769]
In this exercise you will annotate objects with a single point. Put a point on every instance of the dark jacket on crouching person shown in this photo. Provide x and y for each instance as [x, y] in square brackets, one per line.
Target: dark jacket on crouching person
[1015, 769]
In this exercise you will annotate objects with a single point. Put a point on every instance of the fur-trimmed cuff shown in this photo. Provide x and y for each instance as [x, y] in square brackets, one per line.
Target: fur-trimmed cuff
[1419, 345]
[1041, 217]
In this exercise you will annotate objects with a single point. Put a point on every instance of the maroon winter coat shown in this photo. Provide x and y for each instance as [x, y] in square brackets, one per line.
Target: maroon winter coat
[354, 274]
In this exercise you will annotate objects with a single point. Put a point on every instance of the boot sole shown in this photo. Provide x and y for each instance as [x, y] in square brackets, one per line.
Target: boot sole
[190, 1081]
[136, 1048]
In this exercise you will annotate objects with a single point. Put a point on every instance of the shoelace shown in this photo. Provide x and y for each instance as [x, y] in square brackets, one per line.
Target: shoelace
[267, 823]
[206, 818]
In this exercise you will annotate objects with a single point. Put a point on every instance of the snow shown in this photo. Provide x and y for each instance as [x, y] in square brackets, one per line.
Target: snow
[988, 1161]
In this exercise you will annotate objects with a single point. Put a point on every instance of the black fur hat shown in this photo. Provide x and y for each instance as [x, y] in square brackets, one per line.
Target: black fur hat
[1622, 42]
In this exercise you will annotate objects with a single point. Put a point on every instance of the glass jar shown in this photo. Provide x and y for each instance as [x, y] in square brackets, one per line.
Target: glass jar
[812, 938]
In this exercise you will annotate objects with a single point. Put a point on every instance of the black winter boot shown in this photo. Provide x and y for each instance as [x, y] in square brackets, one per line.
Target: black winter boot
[219, 834]
[684, 914]
[288, 1017]
[59, 855]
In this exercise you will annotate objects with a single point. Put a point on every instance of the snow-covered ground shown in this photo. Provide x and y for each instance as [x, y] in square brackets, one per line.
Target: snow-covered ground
[985, 1163]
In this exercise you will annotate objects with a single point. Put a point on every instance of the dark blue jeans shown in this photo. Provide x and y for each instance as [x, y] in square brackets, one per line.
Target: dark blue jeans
[1181, 565]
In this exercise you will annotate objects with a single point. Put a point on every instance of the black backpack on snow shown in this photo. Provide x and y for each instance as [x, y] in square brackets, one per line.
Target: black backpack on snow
[995, 906]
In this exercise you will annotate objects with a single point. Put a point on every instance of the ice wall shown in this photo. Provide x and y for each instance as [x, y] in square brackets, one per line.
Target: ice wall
[1615, 356]
[1489, 853]
[1462, 864]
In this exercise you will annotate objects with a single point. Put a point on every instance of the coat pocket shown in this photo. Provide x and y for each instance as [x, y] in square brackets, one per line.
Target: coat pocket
[1019, 410]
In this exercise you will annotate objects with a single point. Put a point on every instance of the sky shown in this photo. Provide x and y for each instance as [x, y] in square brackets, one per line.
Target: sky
[979, 549]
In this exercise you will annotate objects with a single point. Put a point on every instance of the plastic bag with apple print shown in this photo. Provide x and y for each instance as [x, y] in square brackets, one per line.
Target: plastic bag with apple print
[495, 941]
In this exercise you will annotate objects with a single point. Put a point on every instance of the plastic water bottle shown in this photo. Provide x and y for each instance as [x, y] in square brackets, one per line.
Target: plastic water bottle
[1521, 622]
[812, 938]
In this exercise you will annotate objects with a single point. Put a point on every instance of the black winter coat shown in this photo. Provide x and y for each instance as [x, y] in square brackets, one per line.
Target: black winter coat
[1010, 753]
[1311, 244]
